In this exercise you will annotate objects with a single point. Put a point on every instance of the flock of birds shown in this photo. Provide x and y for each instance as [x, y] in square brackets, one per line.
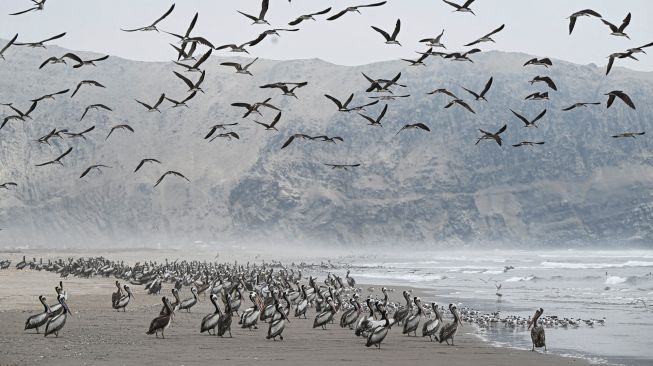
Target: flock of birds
[276, 294]
[191, 63]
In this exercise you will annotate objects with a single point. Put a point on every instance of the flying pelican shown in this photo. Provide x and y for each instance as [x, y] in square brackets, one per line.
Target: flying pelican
[587, 13]
[462, 8]
[161, 322]
[58, 159]
[6, 46]
[38, 320]
[57, 322]
[240, 69]
[449, 331]
[354, 9]
[621, 95]
[432, 325]
[169, 172]
[96, 107]
[390, 39]
[301, 18]
[487, 37]
[40, 44]
[537, 332]
[124, 300]
[120, 127]
[629, 134]
[481, 96]
[618, 31]
[145, 161]
[492, 136]
[529, 123]
[86, 82]
[261, 17]
[151, 27]
[96, 166]
[434, 42]
[210, 321]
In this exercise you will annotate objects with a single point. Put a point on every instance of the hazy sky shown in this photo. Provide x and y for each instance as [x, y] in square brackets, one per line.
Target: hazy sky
[534, 27]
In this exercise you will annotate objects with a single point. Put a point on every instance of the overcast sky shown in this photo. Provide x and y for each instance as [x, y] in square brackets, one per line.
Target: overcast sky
[534, 27]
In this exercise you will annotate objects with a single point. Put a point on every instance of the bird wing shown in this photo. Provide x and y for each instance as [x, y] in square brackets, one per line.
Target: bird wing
[184, 79]
[422, 126]
[453, 4]
[226, 46]
[25, 11]
[86, 171]
[264, 8]
[249, 16]
[337, 15]
[550, 83]
[54, 37]
[612, 26]
[143, 104]
[473, 43]
[276, 119]
[625, 23]
[11, 41]
[572, 24]
[110, 132]
[623, 96]
[161, 179]
[161, 98]
[370, 119]
[258, 39]
[334, 100]
[501, 130]
[139, 165]
[499, 29]
[164, 15]
[64, 154]
[191, 96]
[472, 93]
[371, 5]
[468, 3]
[47, 61]
[539, 116]
[192, 24]
[288, 142]
[250, 64]
[204, 58]
[569, 108]
[522, 118]
[397, 28]
[487, 86]
[61, 92]
[321, 12]
[383, 33]
[211, 132]
[33, 105]
[73, 57]
[201, 40]
[611, 98]
[233, 64]
[87, 130]
[464, 105]
[385, 109]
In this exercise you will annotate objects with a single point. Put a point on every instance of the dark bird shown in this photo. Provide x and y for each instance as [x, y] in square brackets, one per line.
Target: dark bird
[354, 9]
[228, 136]
[527, 143]
[119, 127]
[86, 82]
[293, 137]
[5, 47]
[620, 55]
[146, 161]
[183, 102]
[625, 134]
[192, 87]
[546, 62]
[38, 5]
[49, 96]
[155, 107]
[529, 123]
[240, 69]
[390, 39]
[234, 47]
[443, 91]
[342, 166]
[492, 136]
[40, 44]
[481, 96]
[152, 27]
[639, 49]
[487, 37]
[272, 125]
[586, 13]
[90, 62]
[61, 60]
[58, 159]
[419, 126]
[93, 167]
[342, 107]
[21, 116]
[289, 92]
[618, 31]
[195, 67]
[183, 55]
[461, 103]
[253, 108]
[576, 105]
[325, 138]
[537, 331]
[621, 95]
[270, 32]
[184, 39]
[170, 172]
[389, 97]
[434, 42]
[261, 16]
[419, 61]
[96, 107]
[80, 134]
[301, 18]
[193, 41]
[218, 127]
[462, 8]
[457, 56]
[382, 85]
[537, 96]
[6, 185]
[545, 79]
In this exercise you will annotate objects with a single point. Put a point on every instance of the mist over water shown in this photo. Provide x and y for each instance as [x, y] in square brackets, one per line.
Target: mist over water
[575, 284]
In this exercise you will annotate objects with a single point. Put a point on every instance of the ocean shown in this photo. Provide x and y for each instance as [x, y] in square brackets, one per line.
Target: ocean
[575, 284]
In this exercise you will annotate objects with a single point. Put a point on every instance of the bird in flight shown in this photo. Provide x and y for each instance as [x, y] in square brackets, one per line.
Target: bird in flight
[195, 67]
[272, 125]
[240, 69]
[375, 85]
[528, 143]
[228, 136]
[93, 167]
[289, 92]
[629, 134]
[270, 32]
[462, 8]
[546, 62]
[60, 60]
[390, 39]
[527, 122]
[192, 87]
[301, 18]
[457, 56]
[38, 5]
[218, 127]
[96, 107]
[342, 166]
[260, 19]
[487, 37]
[621, 95]
[151, 27]
[492, 136]
[170, 172]
[586, 13]
[90, 62]
[80, 134]
[616, 55]
[420, 60]
[155, 107]
[418, 126]
[50, 96]
[6, 46]
[434, 42]
[354, 9]
[183, 102]
[618, 31]
[461, 103]
[40, 44]
[546, 80]
[342, 107]
[58, 159]
[86, 82]
[6, 185]
[119, 127]
[234, 47]
[293, 137]
[481, 96]
[253, 108]
[537, 96]
[146, 161]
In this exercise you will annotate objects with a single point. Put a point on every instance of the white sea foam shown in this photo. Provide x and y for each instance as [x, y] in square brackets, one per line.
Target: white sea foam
[576, 265]
[519, 279]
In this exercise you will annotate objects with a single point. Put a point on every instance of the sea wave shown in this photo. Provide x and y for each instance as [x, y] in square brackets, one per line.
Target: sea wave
[576, 265]
[520, 279]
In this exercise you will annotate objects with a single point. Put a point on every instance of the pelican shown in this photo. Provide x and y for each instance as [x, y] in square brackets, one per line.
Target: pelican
[116, 295]
[161, 322]
[449, 331]
[412, 322]
[249, 318]
[326, 316]
[56, 323]
[378, 334]
[277, 326]
[210, 321]
[38, 320]
[350, 316]
[189, 302]
[350, 280]
[402, 313]
[302, 306]
[124, 300]
[537, 333]
[432, 325]
[224, 321]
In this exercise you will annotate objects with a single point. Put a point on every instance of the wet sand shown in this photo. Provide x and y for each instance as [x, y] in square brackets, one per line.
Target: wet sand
[98, 335]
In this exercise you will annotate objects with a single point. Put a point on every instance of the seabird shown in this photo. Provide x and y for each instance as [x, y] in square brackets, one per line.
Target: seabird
[419, 126]
[60, 60]
[80, 134]
[269, 32]
[228, 136]
[152, 27]
[290, 92]
[253, 108]
[96, 166]
[618, 31]
[119, 127]
[342, 166]
[576, 105]
[621, 95]
[86, 82]
[354, 9]
[50, 96]
[419, 61]
[183, 102]
[170, 172]
[272, 125]
[261, 17]
[96, 107]
[240, 69]
[192, 87]
[155, 107]
[546, 62]
[481, 96]
[461, 103]
[434, 42]
[492, 136]
[526, 143]
[587, 12]
[5, 47]
[545, 79]
[195, 67]
[530, 123]
[38, 5]
[218, 127]
[390, 39]
[629, 134]
[40, 44]
[462, 8]
[146, 161]
[537, 96]
[487, 37]
[301, 18]
[58, 159]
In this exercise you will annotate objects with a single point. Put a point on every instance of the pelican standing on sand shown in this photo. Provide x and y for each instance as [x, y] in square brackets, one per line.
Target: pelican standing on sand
[124, 300]
[38, 320]
[378, 334]
[412, 322]
[56, 323]
[537, 332]
[161, 322]
[432, 325]
[449, 331]
[210, 321]
[277, 326]
[190, 302]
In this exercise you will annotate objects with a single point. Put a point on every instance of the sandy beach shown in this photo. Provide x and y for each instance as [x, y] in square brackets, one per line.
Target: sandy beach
[98, 335]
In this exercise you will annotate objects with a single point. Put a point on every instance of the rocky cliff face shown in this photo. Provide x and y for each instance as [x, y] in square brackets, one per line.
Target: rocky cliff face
[582, 186]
